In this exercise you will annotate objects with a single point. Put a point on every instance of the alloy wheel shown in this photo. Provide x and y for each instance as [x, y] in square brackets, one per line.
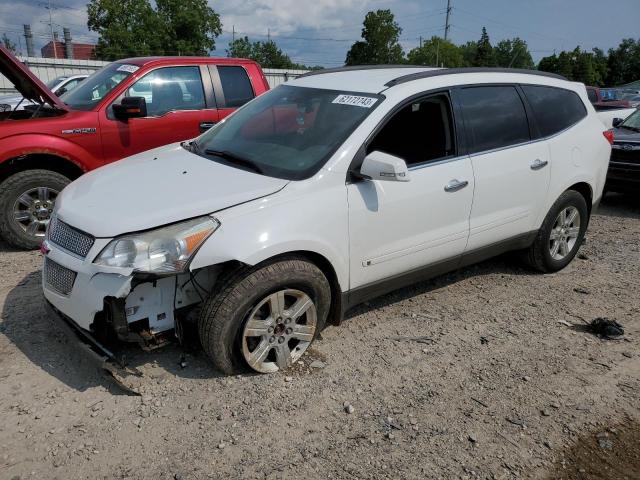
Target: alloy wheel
[32, 210]
[565, 233]
[279, 330]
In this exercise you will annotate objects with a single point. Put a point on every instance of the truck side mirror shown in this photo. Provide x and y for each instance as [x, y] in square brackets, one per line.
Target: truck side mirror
[617, 122]
[382, 166]
[130, 107]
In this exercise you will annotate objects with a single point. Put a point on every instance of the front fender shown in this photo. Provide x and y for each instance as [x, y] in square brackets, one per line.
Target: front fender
[310, 216]
[31, 143]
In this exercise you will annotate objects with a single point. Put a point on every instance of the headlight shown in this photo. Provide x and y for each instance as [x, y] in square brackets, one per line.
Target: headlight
[163, 251]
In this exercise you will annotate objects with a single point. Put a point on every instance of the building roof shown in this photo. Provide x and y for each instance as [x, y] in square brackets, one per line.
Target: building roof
[81, 51]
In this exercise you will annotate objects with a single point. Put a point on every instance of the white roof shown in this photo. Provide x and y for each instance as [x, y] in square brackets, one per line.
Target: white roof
[366, 80]
[374, 80]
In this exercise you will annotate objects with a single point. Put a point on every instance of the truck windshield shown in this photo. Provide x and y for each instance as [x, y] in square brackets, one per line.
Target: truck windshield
[632, 122]
[289, 132]
[90, 92]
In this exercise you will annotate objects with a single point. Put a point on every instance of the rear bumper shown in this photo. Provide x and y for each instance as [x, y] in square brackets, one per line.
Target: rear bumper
[623, 177]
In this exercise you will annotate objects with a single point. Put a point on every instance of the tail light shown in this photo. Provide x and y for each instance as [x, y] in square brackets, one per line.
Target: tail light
[608, 134]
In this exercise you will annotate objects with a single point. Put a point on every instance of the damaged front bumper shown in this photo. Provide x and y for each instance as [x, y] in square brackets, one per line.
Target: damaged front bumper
[107, 304]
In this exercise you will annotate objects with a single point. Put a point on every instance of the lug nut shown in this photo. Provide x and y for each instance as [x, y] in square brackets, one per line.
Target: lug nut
[272, 339]
[280, 339]
[270, 329]
[289, 331]
[288, 320]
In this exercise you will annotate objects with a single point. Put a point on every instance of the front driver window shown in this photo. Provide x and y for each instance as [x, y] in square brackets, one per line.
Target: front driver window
[168, 89]
[420, 132]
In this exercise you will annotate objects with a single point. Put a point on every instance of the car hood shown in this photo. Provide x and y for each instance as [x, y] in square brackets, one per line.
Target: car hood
[155, 188]
[23, 79]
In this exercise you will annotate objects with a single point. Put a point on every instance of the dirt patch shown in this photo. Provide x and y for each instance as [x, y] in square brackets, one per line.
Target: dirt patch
[610, 454]
[478, 374]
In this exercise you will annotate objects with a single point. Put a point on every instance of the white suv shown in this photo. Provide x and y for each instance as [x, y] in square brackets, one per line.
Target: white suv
[336, 187]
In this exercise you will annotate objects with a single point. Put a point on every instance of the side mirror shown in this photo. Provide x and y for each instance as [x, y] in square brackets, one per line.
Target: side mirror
[60, 91]
[617, 122]
[382, 166]
[130, 107]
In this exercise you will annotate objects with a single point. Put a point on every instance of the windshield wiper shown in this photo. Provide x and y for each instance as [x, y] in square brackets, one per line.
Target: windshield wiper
[233, 158]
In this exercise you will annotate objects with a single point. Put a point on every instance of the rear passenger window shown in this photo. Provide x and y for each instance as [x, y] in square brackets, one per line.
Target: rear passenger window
[494, 117]
[235, 85]
[554, 108]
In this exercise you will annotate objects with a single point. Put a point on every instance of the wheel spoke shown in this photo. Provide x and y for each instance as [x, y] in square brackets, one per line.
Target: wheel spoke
[573, 232]
[33, 227]
[21, 215]
[300, 307]
[555, 247]
[257, 328]
[555, 235]
[573, 213]
[43, 194]
[283, 356]
[562, 218]
[26, 200]
[256, 357]
[276, 303]
[564, 248]
[303, 332]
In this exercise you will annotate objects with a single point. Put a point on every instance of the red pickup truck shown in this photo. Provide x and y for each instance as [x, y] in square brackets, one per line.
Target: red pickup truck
[128, 107]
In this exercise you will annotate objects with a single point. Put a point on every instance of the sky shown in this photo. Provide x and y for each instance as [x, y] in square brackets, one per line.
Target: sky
[320, 32]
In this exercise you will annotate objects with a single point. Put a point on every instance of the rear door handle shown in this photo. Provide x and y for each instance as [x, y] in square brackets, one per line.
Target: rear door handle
[204, 126]
[538, 164]
[455, 185]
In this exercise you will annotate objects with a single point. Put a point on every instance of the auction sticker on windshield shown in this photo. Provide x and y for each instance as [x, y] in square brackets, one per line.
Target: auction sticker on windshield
[128, 68]
[356, 101]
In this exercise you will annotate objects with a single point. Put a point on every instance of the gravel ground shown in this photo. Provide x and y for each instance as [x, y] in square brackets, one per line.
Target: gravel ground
[484, 373]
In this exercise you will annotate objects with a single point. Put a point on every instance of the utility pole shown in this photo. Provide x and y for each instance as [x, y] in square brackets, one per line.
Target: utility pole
[420, 41]
[53, 40]
[233, 34]
[268, 34]
[447, 26]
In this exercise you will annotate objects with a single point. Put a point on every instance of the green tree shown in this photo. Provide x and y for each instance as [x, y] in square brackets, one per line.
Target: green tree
[468, 51]
[624, 63]
[380, 44]
[8, 44]
[189, 27]
[437, 52]
[484, 52]
[513, 53]
[240, 48]
[127, 28]
[577, 65]
[130, 28]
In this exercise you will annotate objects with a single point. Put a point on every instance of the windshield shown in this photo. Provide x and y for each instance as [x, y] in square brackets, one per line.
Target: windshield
[52, 83]
[632, 121]
[289, 132]
[89, 93]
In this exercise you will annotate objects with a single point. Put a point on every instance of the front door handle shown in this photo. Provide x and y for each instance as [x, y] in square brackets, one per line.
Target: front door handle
[538, 164]
[204, 126]
[455, 185]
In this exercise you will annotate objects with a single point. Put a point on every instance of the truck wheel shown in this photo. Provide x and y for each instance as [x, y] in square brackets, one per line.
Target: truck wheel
[26, 202]
[561, 234]
[265, 318]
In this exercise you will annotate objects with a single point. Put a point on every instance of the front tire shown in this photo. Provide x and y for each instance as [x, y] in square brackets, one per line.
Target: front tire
[561, 234]
[265, 318]
[26, 202]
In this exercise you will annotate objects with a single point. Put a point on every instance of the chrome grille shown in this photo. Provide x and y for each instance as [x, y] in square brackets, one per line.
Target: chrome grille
[69, 238]
[57, 277]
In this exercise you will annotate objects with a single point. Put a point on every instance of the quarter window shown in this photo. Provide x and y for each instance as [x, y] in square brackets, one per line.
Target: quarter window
[167, 89]
[420, 132]
[555, 109]
[235, 85]
[494, 117]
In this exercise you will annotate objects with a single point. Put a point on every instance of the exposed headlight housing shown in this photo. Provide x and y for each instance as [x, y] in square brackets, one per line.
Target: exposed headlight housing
[162, 251]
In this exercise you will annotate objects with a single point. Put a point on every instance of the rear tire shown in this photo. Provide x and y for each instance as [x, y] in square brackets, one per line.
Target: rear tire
[560, 235]
[252, 322]
[26, 202]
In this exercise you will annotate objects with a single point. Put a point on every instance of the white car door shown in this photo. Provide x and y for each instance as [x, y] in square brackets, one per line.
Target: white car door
[401, 227]
[512, 173]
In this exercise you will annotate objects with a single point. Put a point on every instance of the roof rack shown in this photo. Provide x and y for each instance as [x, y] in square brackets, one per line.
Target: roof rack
[357, 67]
[453, 71]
